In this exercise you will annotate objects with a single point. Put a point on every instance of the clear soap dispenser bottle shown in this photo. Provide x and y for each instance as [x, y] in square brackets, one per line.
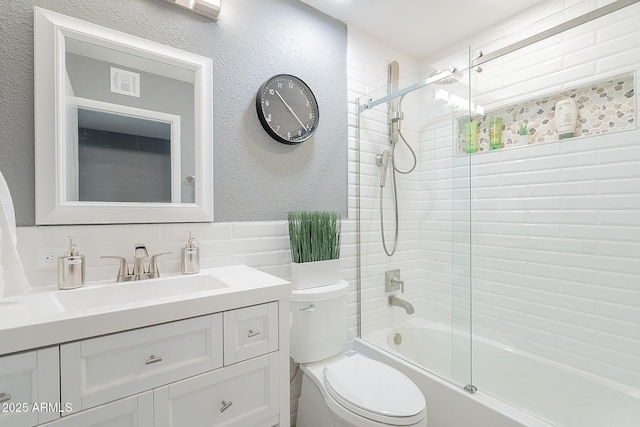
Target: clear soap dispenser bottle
[190, 257]
[71, 268]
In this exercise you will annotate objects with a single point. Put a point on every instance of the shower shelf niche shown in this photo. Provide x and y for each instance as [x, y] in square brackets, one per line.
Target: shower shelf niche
[604, 106]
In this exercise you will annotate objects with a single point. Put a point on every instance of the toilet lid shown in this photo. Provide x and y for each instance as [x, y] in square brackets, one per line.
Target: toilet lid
[374, 390]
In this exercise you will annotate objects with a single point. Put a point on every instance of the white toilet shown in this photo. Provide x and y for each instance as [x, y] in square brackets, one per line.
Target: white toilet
[344, 389]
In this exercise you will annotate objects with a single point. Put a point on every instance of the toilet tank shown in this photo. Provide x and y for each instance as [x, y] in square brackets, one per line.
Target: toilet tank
[319, 322]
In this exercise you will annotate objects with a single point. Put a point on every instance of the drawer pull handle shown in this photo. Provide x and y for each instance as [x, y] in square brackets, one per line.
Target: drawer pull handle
[225, 405]
[252, 333]
[153, 359]
[5, 397]
[311, 308]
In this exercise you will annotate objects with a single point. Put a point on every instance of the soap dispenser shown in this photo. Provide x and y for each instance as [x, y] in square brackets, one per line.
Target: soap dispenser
[71, 268]
[190, 257]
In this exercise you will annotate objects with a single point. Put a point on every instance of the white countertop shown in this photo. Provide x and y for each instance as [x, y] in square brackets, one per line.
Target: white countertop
[48, 316]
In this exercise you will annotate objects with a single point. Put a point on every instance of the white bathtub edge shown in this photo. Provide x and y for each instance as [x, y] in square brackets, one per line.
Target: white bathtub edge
[450, 405]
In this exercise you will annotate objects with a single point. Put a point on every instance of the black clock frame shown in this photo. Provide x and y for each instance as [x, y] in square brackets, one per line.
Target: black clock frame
[263, 120]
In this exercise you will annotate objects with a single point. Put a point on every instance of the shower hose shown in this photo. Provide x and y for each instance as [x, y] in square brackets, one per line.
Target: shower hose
[395, 169]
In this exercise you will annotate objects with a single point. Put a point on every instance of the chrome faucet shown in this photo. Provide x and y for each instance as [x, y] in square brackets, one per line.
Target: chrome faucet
[394, 300]
[140, 254]
[393, 283]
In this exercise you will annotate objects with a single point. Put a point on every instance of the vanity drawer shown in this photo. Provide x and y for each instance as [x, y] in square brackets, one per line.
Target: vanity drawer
[250, 332]
[107, 368]
[241, 395]
[29, 379]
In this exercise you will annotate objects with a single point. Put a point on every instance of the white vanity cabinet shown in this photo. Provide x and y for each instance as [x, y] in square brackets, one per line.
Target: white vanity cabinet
[209, 349]
[177, 374]
[29, 388]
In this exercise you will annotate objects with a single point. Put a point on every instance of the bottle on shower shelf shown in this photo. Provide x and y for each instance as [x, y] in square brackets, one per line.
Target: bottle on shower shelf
[495, 133]
[566, 118]
[471, 137]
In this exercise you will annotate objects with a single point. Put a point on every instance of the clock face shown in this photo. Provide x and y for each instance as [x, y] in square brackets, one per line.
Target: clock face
[287, 109]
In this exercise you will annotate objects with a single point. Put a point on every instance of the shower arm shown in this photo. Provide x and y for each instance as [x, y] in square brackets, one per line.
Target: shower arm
[422, 83]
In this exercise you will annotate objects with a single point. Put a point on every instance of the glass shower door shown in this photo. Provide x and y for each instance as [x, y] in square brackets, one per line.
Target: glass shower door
[555, 225]
[464, 145]
[433, 251]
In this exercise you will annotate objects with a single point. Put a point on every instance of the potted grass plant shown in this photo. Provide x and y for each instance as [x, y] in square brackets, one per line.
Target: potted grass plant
[315, 248]
[523, 135]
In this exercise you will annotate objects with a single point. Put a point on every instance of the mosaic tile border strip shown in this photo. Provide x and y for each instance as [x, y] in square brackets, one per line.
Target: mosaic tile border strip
[603, 107]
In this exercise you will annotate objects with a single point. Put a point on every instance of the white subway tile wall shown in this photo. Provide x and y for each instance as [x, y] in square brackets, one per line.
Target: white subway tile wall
[264, 245]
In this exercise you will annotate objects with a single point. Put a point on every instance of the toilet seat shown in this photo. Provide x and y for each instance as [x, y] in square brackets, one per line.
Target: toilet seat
[374, 390]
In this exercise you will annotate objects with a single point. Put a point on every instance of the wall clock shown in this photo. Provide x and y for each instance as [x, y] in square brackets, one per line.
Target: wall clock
[287, 109]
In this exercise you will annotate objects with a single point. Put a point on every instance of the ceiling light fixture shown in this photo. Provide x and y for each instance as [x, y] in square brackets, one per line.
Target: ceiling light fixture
[208, 8]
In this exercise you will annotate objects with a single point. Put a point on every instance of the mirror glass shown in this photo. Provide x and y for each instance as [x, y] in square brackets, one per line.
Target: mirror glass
[123, 128]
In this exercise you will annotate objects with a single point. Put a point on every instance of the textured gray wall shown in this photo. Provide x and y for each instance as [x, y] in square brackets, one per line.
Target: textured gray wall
[256, 178]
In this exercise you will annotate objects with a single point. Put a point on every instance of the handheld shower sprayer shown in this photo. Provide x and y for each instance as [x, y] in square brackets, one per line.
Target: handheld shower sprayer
[388, 157]
[383, 161]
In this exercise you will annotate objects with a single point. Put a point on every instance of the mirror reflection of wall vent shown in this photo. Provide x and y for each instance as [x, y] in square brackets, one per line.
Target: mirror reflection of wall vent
[125, 82]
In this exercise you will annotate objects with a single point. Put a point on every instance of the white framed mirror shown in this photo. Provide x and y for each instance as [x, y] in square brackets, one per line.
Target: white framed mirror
[123, 127]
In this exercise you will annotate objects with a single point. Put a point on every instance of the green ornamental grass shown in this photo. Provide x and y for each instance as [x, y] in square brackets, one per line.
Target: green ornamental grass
[523, 130]
[314, 236]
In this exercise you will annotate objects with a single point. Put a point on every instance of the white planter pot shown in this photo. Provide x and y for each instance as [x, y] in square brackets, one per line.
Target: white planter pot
[307, 275]
[523, 140]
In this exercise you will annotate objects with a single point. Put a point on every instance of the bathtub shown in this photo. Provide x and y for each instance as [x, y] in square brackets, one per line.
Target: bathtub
[550, 393]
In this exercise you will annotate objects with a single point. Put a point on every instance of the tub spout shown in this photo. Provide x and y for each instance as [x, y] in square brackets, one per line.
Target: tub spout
[393, 300]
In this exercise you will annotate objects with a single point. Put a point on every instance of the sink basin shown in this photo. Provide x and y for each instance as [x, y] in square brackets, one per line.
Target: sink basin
[48, 316]
[135, 292]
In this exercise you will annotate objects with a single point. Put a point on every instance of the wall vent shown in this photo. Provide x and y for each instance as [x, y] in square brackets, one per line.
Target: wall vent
[125, 82]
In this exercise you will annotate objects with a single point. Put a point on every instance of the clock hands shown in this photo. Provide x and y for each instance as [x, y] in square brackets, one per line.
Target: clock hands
[291, 111]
